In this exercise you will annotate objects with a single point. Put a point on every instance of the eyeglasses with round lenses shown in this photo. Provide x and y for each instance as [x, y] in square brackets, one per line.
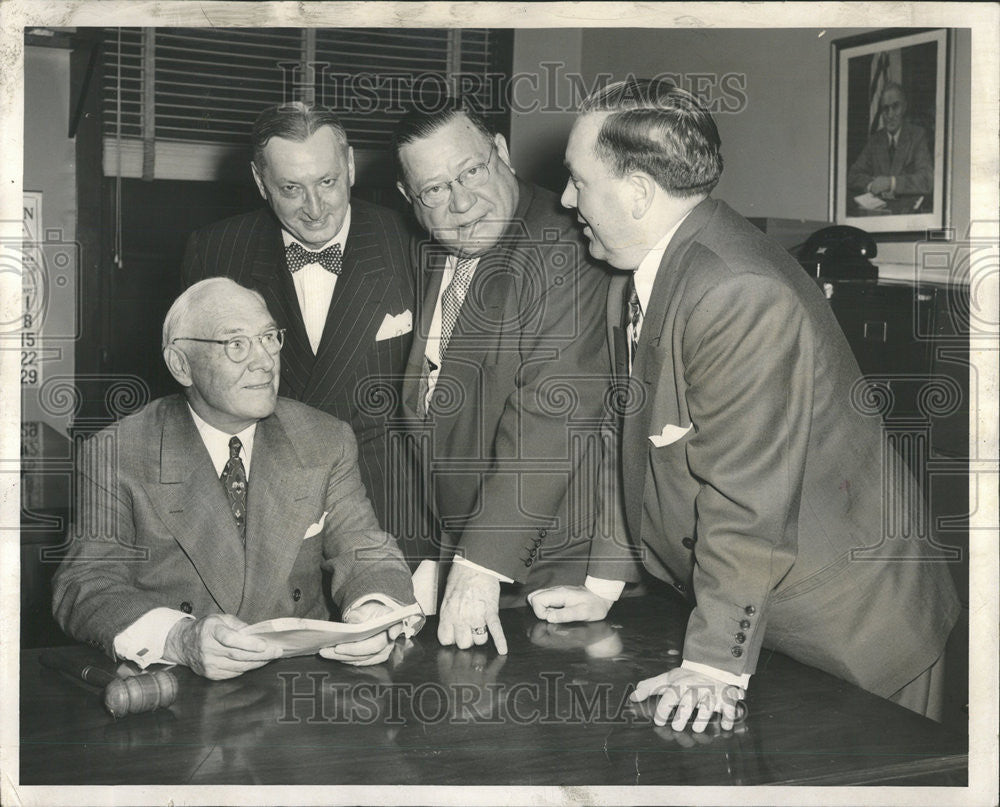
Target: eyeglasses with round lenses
[474, 177]
[237, 348]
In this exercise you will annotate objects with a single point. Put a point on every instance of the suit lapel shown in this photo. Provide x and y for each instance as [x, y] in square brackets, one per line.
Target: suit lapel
[194, 507]
[653, 369]
[432, 259]
[355, 313]
[273, 280]
[277, 515]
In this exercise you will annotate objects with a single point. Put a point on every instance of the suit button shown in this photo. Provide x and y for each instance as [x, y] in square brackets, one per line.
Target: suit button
[533, 553]
[538, 542]
[740, 638]
[744, 623]
[297, 595]
[736, 650]
[186, 607]
[529, 561]
[749, 610]
[688, 543]
[542, 533]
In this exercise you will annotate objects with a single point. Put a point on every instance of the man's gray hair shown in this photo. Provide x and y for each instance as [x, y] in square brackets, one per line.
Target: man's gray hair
[188, 303]
[893, 85]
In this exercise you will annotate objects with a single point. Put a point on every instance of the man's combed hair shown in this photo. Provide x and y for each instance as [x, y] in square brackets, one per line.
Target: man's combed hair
[418, 124]
[293, 121]
[658, 128]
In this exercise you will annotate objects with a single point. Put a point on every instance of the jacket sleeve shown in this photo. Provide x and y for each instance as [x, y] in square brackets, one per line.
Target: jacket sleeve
[95, 596]
[545, 448]
[918, 173]
[361, 558]
[748, 353]
[862, 170]
[612, 554]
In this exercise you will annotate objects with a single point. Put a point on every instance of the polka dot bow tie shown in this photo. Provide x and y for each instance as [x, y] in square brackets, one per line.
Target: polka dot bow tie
[331, 258]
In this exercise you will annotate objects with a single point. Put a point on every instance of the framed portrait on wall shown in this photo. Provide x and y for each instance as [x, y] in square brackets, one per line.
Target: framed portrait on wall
[889, 140]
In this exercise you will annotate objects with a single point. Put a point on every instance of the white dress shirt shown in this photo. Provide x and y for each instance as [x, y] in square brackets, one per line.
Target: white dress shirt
[314, 285]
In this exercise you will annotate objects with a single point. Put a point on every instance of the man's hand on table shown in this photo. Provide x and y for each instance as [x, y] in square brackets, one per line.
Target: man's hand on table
[214, 647]
[690, 693]
[470, 610]
[373, 650]
[569, 604]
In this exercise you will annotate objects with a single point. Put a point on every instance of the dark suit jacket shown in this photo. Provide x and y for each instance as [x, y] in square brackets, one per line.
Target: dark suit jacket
[512, 434]
[152, 526]
[911, 164]
[352, 377]
[765, 497]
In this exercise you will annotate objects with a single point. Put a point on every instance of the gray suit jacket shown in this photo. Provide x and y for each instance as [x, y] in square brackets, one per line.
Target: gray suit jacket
[152, 526]
[753, 480]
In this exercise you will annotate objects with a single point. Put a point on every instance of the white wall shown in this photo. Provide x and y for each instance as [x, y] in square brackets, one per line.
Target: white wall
[776, 145]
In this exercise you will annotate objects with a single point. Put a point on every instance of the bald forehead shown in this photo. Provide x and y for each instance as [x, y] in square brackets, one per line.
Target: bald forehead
[210, 309]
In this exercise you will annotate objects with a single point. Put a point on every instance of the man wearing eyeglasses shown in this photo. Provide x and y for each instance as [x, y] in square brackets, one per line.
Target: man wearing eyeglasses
[896, 160]
[336, 274]
[222, 507]
[507, 375]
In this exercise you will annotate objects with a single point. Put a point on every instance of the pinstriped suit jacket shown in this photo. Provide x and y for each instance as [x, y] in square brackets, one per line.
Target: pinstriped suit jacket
[352, 376]
[153, 528]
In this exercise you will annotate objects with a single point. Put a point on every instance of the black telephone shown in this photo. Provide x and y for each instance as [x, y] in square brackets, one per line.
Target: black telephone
[840, 253]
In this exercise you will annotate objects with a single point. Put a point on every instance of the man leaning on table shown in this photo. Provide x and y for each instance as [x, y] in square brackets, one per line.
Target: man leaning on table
[507, 375]
[222, 507]
[751, 482]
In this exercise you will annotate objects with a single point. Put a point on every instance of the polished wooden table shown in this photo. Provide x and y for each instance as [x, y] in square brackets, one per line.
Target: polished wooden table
[552, 712]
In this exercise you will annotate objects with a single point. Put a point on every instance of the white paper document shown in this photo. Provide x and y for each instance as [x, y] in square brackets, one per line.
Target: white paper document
[303, 637]
[869, 201]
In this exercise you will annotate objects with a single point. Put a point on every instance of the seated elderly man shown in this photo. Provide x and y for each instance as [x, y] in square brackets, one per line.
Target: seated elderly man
[223, 507]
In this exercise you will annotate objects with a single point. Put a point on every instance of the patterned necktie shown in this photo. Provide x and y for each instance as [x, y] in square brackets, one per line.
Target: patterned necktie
[452, 299]
[892, 150]
[633, 321]
[234, 480]
[331, 258]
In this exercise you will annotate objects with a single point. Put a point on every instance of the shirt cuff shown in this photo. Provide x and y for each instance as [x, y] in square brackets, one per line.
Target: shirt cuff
[143, 641]
[609, 590]
[462, 561]
[740, 681]
[425, 585]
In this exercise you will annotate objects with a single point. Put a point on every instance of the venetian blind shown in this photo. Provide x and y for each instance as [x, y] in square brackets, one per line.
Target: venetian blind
[178, 103]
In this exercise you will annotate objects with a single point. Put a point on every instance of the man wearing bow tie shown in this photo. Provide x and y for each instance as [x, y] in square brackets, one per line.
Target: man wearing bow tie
[334, 271]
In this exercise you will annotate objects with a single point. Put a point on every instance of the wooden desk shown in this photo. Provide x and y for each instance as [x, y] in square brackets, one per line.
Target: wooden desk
[550, 713]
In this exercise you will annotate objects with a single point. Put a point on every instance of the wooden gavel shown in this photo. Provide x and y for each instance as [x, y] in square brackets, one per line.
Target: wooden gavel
[143, 692]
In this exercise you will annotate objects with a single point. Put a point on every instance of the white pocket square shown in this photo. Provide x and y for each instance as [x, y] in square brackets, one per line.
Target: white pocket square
[393, 326]
[670, 434]
[314, 528]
